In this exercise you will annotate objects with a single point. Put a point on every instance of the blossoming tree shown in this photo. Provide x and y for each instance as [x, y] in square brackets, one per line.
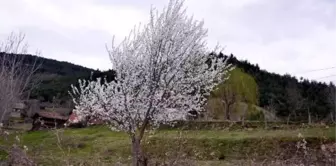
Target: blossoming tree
[161, 75]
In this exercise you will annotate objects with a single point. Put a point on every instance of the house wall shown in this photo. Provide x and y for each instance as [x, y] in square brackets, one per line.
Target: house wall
[15, 115]
[33, 107]
[47, 123]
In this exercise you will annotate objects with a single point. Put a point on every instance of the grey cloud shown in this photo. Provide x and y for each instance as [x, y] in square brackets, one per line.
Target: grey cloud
[281, 36]
[275, 20]
[284, 36]
[144, 4]
[79, 41]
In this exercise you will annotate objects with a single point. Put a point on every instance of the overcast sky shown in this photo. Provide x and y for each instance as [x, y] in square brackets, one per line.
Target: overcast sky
[282, 36]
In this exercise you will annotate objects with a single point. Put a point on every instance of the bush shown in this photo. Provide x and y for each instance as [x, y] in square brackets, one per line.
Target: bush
[3, 155]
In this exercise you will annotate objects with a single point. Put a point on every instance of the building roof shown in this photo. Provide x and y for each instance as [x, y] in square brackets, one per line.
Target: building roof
[62, 111]
[52, 115]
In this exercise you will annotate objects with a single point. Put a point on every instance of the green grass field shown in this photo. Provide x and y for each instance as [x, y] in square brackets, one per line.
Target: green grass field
[101, 145]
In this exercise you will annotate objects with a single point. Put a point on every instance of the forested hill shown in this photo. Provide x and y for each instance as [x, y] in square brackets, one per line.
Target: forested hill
[51, 66]
[300, 98]
[283, 93]
[55, 77]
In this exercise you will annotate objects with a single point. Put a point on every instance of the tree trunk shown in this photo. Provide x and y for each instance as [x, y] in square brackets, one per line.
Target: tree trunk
[137, 155]
[332, 117]
[309, 117]
[265, 119]
[227, 112]
[4, 117]
[245, 110]
[288, 118]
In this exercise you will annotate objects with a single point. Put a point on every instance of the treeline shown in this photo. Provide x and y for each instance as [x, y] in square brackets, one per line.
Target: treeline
[58, 86]
[290, 98]
[53, 78]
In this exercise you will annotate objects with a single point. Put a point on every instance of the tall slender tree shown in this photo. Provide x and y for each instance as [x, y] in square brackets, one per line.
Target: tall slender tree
[331, 93]
[239, 88]
[295, 101]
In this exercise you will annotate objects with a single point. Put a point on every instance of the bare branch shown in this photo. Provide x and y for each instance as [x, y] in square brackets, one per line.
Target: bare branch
[16, 73]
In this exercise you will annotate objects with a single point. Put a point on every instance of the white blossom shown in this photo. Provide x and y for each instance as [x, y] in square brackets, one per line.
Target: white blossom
[17, 138]
[25, 148]
[161, 74]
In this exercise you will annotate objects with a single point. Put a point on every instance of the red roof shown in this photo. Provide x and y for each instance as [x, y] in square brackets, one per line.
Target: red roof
[53, 115]
[75, 119]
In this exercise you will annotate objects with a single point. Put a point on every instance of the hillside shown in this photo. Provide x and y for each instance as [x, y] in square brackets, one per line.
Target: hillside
[55, 77]
[283, 93]
[288, 95]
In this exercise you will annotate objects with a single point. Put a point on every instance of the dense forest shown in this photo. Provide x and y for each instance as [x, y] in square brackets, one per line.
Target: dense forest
[290, 98]
[53, 78]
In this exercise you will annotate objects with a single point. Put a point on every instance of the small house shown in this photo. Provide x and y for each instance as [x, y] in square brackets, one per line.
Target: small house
[48, 119]
[19, 110]
[25, 109]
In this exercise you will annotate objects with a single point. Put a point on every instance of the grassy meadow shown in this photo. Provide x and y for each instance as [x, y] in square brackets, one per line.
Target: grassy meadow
[98, 145]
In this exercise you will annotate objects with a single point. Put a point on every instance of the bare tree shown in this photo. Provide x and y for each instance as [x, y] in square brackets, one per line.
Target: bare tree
[239, 90]
[331, 94]
[16, 73]
[308, 106]
[269, 112]
[228, 99]
[295, 100]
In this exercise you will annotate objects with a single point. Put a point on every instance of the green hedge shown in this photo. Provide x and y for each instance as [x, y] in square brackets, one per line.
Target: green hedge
[219, 125]
[217, 149]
